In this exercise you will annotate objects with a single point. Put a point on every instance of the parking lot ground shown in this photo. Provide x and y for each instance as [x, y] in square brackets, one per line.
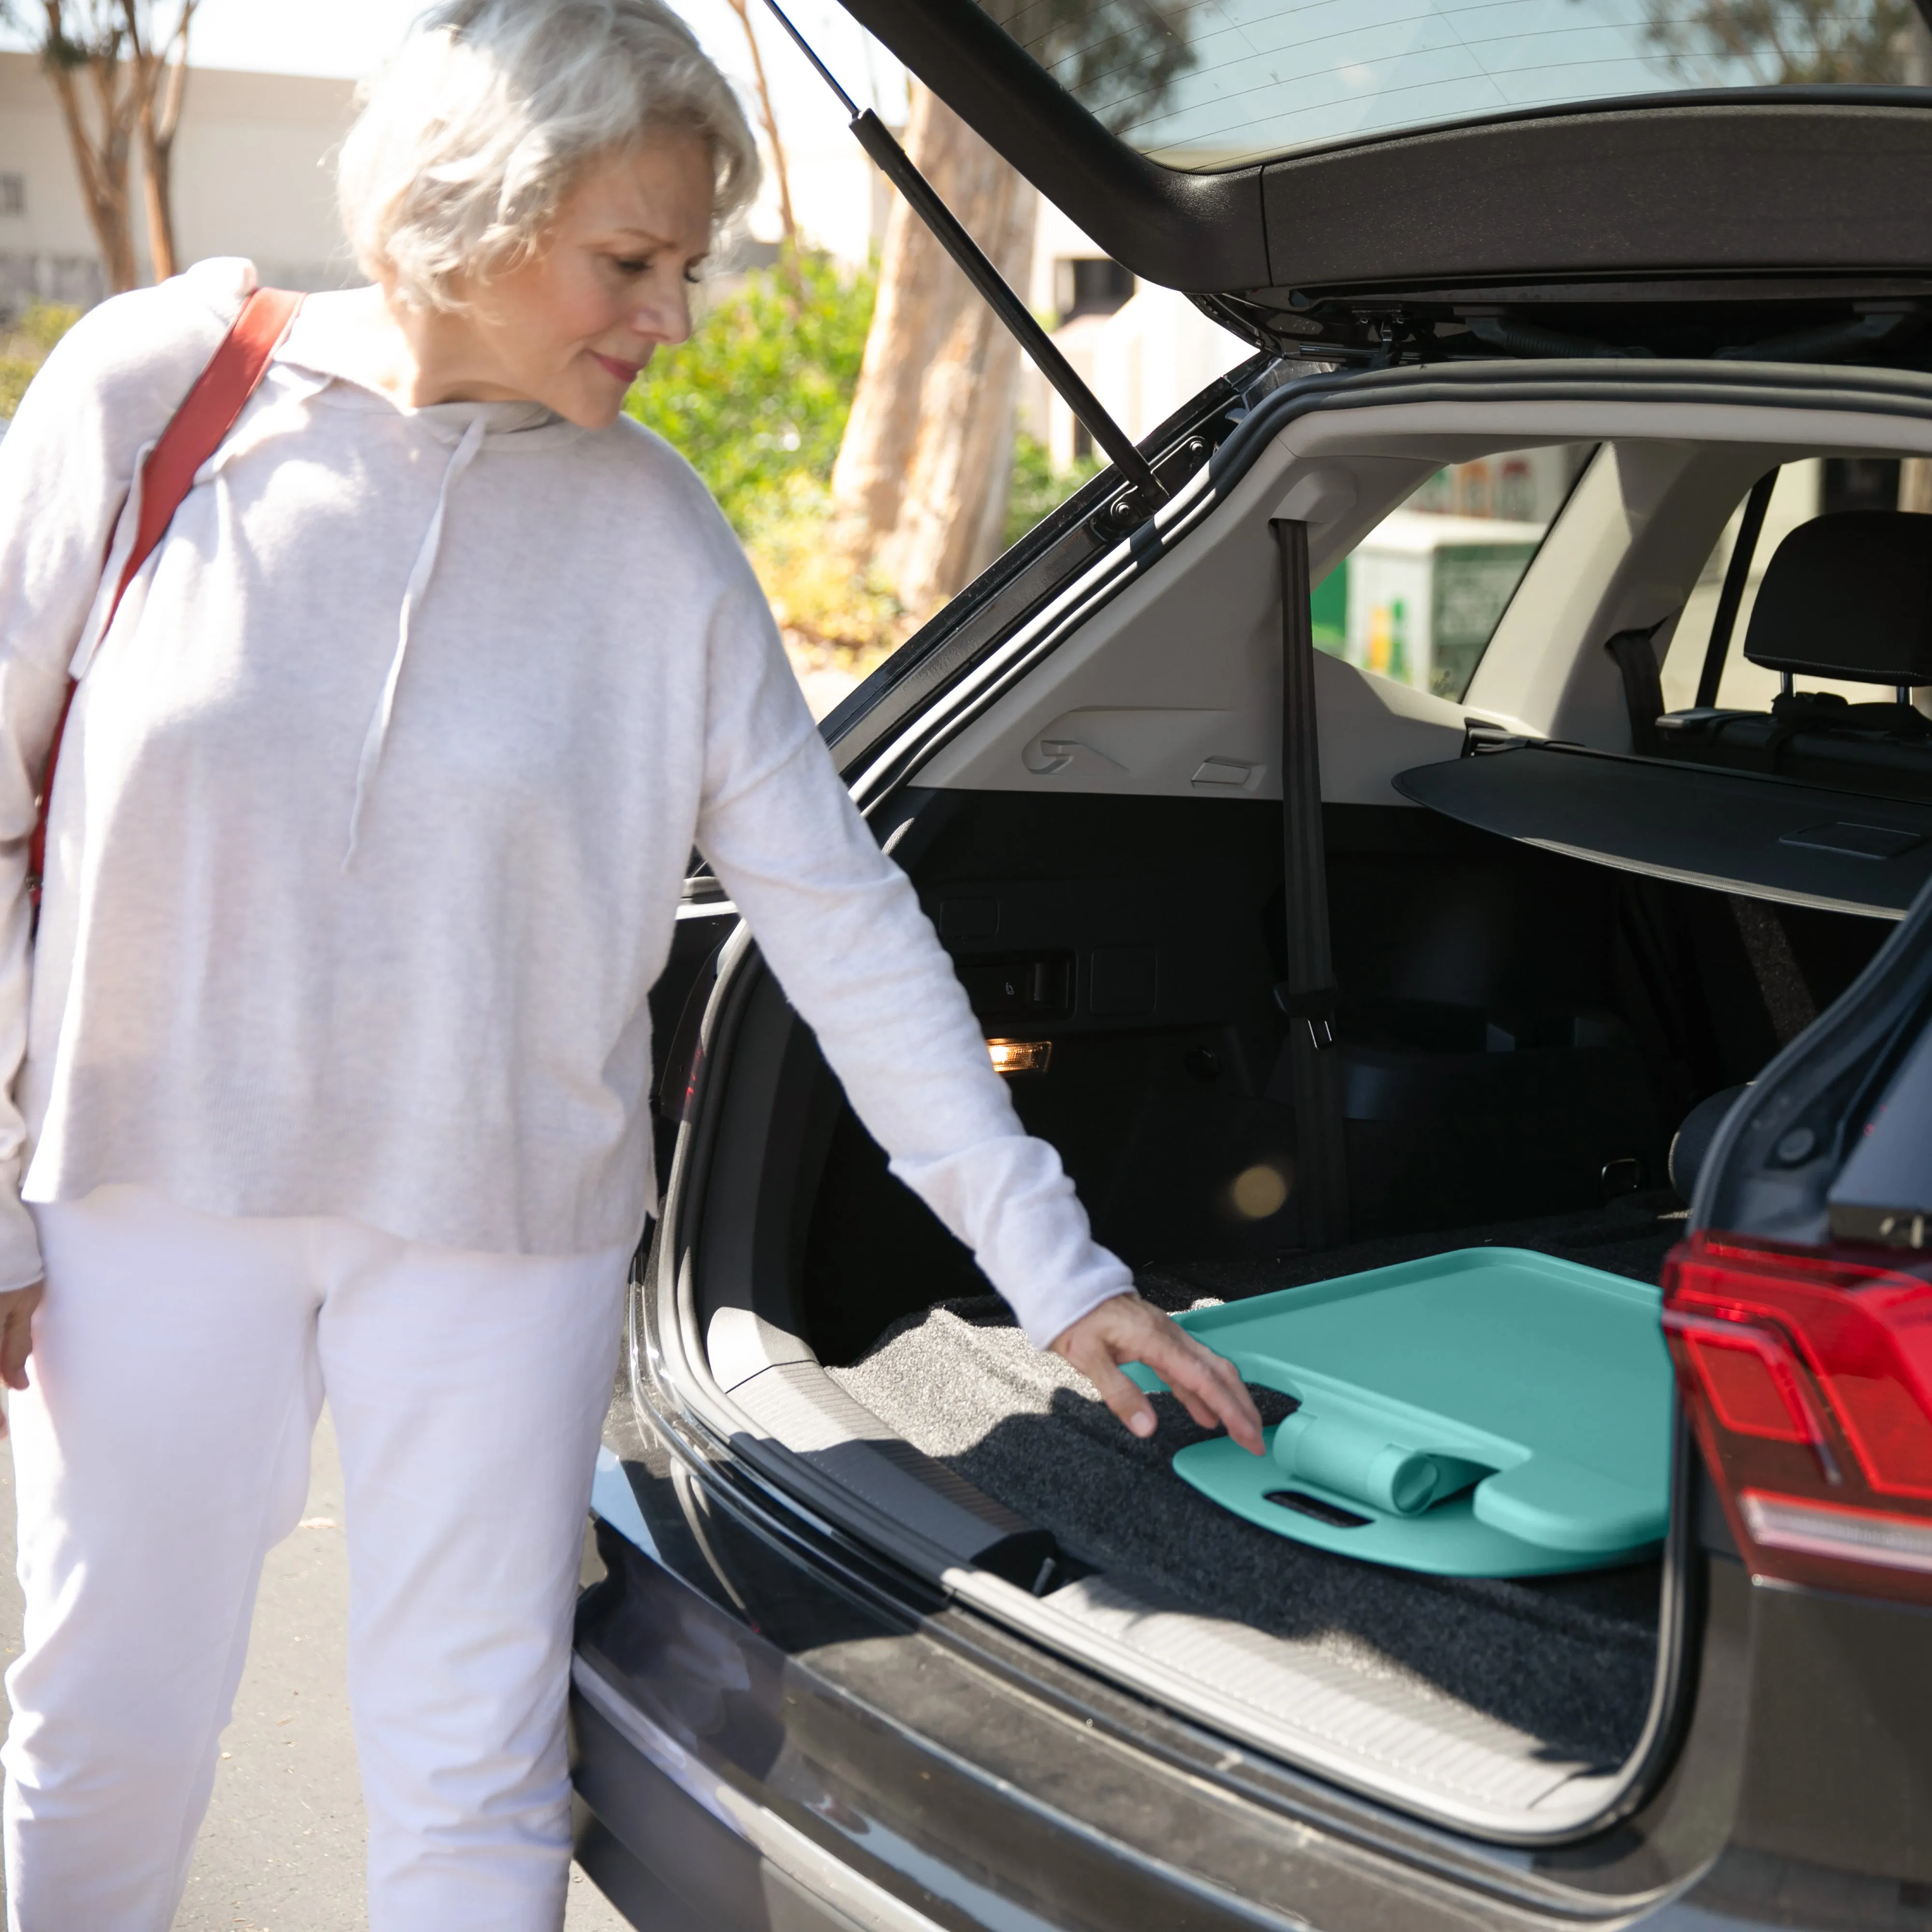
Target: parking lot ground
[281, 1849]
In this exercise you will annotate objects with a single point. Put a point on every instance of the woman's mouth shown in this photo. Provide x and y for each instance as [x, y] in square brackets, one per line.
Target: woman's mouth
[626, 373]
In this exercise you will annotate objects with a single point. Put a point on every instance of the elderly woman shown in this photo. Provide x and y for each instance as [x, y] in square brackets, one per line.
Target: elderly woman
[330, 1053]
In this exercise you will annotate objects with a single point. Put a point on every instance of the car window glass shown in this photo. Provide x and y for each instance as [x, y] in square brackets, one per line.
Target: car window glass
[1817, 486]
[1215, 83]
[1418, 599]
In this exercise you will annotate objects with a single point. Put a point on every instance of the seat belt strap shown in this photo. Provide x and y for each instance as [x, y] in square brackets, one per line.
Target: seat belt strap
[1737, 581]
[1307, 995]
[194, 433]
[1636, 657]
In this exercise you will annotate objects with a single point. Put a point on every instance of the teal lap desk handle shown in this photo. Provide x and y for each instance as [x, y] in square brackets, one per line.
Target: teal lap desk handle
[1352, 1456]
[1490, 1412]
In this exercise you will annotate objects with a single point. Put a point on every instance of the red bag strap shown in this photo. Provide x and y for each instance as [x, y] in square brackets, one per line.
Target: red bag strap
[207, 413]
[194, 433]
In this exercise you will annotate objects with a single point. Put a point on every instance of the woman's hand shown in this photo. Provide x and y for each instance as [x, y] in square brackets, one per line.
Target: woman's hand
[1127, 1329]
[16, 1336]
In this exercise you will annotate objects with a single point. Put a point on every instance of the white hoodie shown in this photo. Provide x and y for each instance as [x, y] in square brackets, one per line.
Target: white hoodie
[373, 811]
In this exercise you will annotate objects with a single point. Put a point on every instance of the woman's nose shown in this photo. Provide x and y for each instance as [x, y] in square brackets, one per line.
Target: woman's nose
[665, 314]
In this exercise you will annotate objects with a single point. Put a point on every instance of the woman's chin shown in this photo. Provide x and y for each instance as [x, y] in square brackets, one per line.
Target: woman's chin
[587, 412]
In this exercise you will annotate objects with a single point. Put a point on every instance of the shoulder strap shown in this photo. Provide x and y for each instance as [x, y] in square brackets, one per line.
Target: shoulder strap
[207, 413]
[194, 433]
[1636, 658]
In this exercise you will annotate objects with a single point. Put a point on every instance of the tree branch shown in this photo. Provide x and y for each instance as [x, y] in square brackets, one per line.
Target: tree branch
[768, 114]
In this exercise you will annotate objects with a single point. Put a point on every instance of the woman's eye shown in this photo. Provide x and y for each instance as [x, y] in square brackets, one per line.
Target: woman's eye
[633, 264]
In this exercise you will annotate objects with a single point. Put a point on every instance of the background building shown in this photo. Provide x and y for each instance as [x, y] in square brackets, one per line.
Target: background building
[1142, 350]
[253, 174]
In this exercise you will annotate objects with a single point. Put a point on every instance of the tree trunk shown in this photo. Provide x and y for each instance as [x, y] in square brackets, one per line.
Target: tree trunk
[920, 490]
[155, 167]
[102, 164]
[768, 114]
[160, 116]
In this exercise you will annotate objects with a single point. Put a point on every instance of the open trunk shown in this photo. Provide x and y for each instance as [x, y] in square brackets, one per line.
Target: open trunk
[1081, 779]
[1522, 1032]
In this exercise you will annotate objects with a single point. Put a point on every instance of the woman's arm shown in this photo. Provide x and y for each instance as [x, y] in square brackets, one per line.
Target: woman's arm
[841, 925]
[107, 390]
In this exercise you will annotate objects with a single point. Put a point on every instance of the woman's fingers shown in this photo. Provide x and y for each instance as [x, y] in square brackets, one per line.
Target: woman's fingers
[1209, 1385]
[1127, 1329]
[1125, 1399]
[16, 1336]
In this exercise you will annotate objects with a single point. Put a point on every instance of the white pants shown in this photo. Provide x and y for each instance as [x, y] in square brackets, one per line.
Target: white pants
[180, 1361]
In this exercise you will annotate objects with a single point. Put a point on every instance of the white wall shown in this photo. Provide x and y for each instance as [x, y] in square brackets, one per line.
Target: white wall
[1143, 361]
[839, 200]
[255, 174]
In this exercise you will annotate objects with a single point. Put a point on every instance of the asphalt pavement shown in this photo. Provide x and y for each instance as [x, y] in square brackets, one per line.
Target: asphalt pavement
[281, 1848]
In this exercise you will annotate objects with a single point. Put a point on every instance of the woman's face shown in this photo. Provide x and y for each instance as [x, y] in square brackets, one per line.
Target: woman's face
[571, 325]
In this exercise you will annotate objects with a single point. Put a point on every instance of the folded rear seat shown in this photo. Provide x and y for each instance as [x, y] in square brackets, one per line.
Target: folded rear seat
[1847, 597]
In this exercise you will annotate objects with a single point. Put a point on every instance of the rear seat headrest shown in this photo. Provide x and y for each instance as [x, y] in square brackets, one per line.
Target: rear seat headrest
[1849, 595]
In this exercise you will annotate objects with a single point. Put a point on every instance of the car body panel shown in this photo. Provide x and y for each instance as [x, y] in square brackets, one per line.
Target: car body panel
[750, 1700]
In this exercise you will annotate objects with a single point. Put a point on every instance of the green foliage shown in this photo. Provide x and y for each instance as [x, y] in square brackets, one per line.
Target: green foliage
[1119, 58]
[16, 372]
[757, 398]
[25, 345]
[1038, 488]
[816, 593]
[1781, 43]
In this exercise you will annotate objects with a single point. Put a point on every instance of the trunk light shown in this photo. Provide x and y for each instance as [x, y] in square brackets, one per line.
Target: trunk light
[1807, 1372]
[1020, 1056]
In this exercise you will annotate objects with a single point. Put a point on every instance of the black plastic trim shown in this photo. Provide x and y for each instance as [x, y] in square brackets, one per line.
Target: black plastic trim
[1827, 1080]
[1738, 183]
[1733, 385]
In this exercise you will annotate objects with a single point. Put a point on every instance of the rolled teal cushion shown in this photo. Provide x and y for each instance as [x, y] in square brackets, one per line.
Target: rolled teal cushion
[1359, 1462]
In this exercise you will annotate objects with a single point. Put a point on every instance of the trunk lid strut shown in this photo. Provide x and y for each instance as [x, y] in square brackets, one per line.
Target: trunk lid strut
[876, 138]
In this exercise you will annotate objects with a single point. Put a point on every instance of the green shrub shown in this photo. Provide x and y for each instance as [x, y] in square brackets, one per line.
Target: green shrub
[1038, 488]
[26, 344]
[757, 400]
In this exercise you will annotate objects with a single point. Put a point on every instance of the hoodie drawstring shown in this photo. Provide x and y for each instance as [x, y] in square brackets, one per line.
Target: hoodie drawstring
[419, 577]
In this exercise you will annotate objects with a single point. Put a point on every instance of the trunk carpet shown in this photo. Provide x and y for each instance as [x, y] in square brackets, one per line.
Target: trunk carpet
[1567, 1660]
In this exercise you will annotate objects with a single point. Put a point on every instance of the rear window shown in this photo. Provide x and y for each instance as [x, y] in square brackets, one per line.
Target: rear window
[1214, 83]
[1418, 599]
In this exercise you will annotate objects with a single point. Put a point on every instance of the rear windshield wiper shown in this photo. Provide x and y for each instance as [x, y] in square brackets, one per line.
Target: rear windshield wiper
[875, 137]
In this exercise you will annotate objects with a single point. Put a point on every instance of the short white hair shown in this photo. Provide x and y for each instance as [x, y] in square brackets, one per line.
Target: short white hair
[472, 137]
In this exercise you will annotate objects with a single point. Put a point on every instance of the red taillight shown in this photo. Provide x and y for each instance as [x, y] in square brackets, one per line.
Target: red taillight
[1807, 1372]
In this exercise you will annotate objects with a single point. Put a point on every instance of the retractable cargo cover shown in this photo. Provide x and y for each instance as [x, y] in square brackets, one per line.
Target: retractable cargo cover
[1737, 831]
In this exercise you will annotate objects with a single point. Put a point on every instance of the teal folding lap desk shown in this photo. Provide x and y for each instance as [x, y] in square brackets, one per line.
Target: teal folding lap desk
[1490, 1412]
